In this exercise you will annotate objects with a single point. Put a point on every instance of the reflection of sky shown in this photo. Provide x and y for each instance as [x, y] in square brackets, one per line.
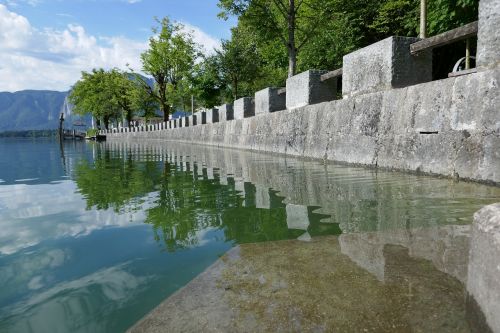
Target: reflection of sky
[102, 282]
[67, 269]
[30, 214]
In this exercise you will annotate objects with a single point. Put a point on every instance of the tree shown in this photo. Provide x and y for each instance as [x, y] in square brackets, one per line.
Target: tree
[293, 22]
[94, 94]
[208, 82]
[169, 60]
[239, 61]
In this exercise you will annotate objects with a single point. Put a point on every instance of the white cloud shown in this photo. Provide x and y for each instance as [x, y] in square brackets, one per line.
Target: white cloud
[207, 42]
[31, 58]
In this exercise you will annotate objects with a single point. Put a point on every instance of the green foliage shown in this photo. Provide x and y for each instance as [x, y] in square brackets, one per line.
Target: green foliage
[111, 95]
[323, 32]
[91, 132]
[169, 60]
[208, 82]
[94, 94]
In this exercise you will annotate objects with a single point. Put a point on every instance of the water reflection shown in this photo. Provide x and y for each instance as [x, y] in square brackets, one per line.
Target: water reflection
[189, 198]
[135, 222]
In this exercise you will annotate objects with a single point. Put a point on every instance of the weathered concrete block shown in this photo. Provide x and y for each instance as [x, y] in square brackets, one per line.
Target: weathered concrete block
[270, 100]
[185, 121]
[488, 37]
[244, 108]
[175, 123]
[307, 88]
[201, 117]
[226, 112]
[212, 116]
[194, 120]
[385, 65]
[483, 283]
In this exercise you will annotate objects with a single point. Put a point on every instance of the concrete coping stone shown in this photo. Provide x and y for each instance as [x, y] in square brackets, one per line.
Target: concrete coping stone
[226, 112]
[306, 88]
[244, 108]
[269, 100]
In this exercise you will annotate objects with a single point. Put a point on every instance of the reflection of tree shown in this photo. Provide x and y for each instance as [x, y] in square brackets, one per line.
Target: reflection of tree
[184, 206]
[112, 182]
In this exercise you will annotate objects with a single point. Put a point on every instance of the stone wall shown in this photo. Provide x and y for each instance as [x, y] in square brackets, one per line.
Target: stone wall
[391, 115]
[449, 127]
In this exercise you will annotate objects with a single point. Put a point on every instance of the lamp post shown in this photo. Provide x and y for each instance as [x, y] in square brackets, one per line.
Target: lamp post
[423, 19]
[61, 120]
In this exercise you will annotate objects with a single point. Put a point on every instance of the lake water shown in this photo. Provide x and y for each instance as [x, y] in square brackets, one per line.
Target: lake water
[93, 236]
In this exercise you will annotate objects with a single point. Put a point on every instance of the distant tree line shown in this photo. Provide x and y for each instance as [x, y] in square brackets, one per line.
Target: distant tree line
[29, 134]
[273, 40]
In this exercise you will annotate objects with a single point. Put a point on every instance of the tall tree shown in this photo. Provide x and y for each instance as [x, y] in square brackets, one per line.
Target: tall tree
[169, 60]
[93, 94]
[292, 22]
[239, 61]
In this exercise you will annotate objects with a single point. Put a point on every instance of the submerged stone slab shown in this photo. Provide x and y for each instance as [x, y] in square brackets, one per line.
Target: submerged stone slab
[483, 283]
[488, 40]
[270, 100]
[244, 108]
[287, 286]
[212, 116]
[385, 65]
[226, 112]
[307, 88]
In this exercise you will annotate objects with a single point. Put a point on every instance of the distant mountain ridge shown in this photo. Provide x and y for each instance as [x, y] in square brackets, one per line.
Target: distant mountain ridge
[39, 109]
[31, 109]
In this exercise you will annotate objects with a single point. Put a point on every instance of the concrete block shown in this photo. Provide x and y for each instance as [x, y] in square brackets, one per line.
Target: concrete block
[270, 100]
[212, 116]
[226, 112]
[385, 65]
[483, 283]
[307, 88]
[201, 117]
[175, 122]
[488, 37]
[194, 120]
[244, 108]
[185, 121]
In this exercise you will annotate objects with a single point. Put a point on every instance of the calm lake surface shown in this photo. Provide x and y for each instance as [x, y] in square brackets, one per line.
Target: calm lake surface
[94, 236]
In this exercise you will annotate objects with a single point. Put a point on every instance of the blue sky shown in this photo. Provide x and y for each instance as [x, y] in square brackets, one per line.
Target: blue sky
[45, 44]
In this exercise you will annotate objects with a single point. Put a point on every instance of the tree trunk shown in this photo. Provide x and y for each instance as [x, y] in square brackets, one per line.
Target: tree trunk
[106, 122]
[292, 50]
[235, 89]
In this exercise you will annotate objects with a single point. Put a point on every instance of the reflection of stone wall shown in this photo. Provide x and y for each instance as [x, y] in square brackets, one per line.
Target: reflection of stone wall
[446, 247]
[358, 199]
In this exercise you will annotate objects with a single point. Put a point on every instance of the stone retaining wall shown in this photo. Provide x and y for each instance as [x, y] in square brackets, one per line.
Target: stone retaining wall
[449, 127]
[391, 116]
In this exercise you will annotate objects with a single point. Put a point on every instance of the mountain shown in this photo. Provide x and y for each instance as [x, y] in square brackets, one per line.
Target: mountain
[31, 109]
[39, 109]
